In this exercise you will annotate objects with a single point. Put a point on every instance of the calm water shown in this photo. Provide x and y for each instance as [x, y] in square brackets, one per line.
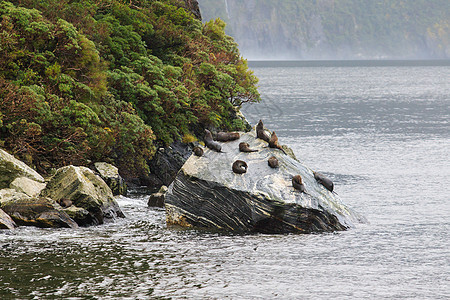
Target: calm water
[381, 133]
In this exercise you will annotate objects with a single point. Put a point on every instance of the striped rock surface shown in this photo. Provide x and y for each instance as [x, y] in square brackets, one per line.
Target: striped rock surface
[207, 194]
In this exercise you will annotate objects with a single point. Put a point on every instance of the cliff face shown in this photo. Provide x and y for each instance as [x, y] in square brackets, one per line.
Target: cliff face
[335, 29]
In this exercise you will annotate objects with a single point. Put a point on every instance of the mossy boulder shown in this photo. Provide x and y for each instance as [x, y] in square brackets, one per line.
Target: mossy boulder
[85, 190]
[27, 186]
[12, 168]
[110, 174]
[38, 211]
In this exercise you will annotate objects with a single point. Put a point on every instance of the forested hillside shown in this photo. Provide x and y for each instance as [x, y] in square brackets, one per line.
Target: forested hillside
[335, 29]
[111, 80]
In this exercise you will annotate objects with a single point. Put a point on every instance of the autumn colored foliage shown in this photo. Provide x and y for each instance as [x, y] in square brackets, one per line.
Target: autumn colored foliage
[84, 81]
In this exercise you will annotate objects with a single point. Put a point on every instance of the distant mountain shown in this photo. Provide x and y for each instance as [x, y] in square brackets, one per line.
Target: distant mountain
[335, 29]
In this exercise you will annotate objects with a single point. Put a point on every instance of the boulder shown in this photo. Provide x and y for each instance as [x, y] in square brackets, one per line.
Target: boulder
[38, 211]
[5, 221]
[110, 174]
[157, 199]
[206, 193]
[11, 168]
[86, 190]
[27, 186]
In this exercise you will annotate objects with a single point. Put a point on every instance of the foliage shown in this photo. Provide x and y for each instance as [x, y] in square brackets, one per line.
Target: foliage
[112, 80]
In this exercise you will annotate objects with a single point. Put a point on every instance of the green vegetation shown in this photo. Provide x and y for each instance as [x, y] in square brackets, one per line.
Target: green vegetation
[337, 28]
[112, 80]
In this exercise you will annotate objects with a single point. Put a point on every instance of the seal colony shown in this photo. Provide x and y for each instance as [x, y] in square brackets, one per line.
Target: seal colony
[240, 166]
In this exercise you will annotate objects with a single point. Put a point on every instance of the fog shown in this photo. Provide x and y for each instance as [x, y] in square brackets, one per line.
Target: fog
[335, 29]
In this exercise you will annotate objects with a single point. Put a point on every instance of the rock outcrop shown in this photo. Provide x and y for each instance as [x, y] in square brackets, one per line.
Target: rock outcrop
[12, 168]
[207, 194]
[5, 221]
[39, 212]
[110, 174]
[85, 190]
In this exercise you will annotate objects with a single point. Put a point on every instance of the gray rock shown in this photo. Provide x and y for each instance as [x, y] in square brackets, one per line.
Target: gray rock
[7, 195]
[11, 168]
[86, 190]
[110, 174]
[207, 194]
[38, 211]
[157, 199]
[27, 186]
[5, 221]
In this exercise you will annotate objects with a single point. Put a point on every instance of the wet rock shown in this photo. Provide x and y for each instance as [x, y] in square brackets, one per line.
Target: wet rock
[86, 190]
[5, 221]
[207, 194]
[110, 174]
[38, 211]
[27, 186]
[157, 199]
[11, 168]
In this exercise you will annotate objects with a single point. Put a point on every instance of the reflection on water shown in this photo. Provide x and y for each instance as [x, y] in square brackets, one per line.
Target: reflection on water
[381, 133]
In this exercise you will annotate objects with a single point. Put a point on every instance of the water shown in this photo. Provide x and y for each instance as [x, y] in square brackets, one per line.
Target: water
[382, 133]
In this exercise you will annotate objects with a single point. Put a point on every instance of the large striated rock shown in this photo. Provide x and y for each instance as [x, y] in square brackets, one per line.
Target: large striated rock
[110, 174]
[11, 168]
[27, 186]
[85, 190]
[38, 211]
[207, 194]
[5, 221]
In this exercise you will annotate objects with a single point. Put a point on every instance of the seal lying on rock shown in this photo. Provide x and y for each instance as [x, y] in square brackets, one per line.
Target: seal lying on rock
[298, 184]
[261, 133]
[273, 162]
[273, 143]
[245, 147]
[323, 180]
[198, 151]
[64, 202]
[227, 136]
[210, 143]
[239, 167]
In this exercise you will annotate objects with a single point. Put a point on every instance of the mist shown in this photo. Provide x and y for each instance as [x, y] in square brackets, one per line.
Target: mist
[335, 29]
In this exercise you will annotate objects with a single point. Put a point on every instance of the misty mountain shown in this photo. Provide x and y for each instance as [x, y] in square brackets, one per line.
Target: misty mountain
[335, 29]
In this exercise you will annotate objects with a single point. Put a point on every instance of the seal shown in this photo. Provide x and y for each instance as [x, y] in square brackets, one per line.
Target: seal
[325, 181]
[261, 133]
[245, 147]
[273, 162]
[64, 202]
[197, 151]
[273, 143]
[239, 167]
[298, 184]
[227, 136]
[210, 143]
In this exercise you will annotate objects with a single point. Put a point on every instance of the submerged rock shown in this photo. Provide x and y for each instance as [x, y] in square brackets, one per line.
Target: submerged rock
[85, 190]
[110, 174]
[207, 194]
[39, 212]
[12, 168]
[5, 221]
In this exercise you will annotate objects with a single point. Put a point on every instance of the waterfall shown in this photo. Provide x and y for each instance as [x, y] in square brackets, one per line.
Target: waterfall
[226, 9]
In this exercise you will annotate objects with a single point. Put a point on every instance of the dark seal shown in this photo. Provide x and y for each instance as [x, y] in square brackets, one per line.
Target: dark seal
[245, 147]
[261, 133]
[227, 136]
[325, 181]
[239, 167]
[210, 143]
[273, 143]
[298, 184]
[198, 151]
[273, 162]
[64, 202]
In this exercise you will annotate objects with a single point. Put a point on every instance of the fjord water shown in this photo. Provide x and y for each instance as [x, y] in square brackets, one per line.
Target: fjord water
[381, 132]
